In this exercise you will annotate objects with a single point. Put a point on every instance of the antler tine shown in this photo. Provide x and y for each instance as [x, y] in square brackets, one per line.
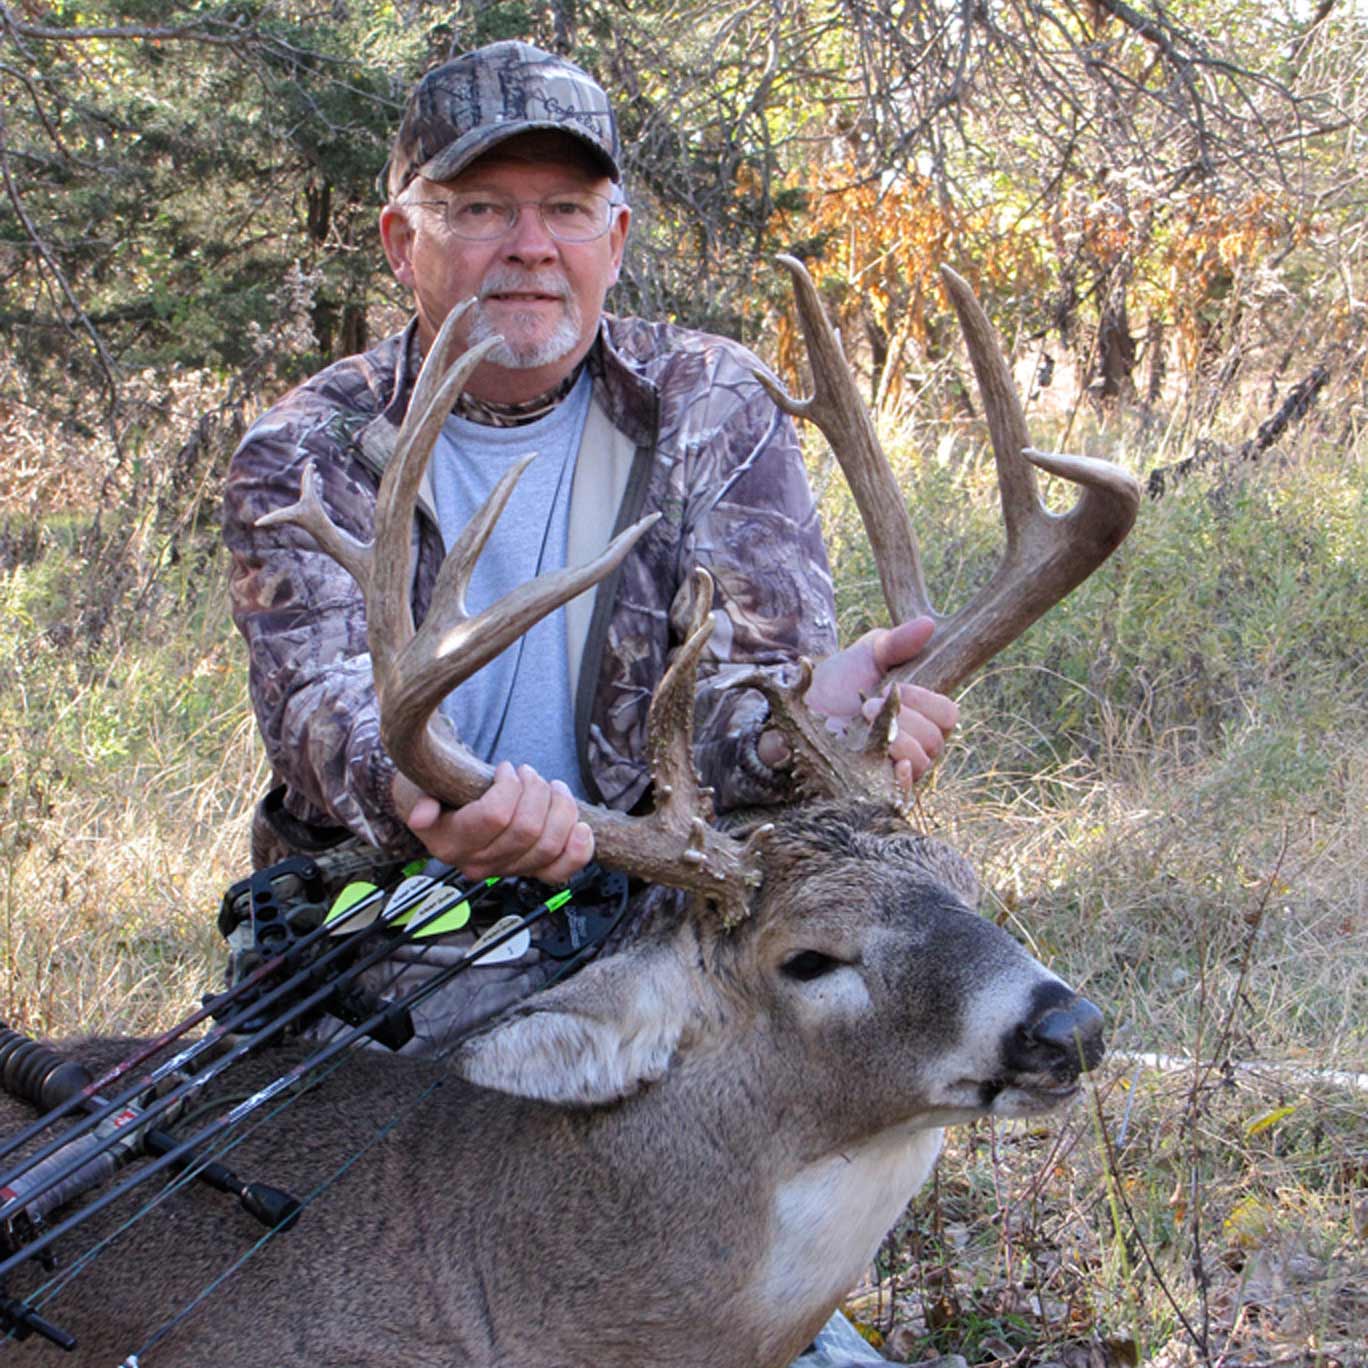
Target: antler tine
[670, 722]
[435, 368]
[389, 621]
[1001, 407]
[453, 575]
[836, 408]
[451, 646]
[1046, 554]
[308, 513]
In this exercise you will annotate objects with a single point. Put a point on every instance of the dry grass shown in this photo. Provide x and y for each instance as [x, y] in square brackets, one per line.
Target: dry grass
[132, 764]
[1173, 812]
[109, 896]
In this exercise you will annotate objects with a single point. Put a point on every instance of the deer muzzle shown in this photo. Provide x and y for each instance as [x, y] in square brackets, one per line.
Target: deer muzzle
[1045, 1055]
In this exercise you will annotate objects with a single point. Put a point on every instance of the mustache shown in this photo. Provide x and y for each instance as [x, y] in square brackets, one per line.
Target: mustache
[510, 280]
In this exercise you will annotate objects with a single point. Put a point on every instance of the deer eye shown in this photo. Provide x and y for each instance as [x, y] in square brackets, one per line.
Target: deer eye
[809, 964]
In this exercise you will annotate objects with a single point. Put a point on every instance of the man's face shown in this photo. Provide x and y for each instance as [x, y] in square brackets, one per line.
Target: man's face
[544, 297]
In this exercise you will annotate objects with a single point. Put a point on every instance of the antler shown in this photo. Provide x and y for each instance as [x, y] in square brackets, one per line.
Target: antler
[1046, 554]
[415, 668]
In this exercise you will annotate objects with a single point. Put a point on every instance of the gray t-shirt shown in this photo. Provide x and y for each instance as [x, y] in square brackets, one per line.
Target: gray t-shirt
[518, 707]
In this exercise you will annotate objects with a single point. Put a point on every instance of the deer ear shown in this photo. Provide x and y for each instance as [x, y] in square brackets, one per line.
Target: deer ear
[598, 1038]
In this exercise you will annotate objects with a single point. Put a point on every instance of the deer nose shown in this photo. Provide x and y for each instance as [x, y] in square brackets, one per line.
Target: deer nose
[1064, 1040]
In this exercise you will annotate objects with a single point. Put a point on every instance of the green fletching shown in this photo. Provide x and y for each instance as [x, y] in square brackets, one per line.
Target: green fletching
[451, 920]
[352, 894]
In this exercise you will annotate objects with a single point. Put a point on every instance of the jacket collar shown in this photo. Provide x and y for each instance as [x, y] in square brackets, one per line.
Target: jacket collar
[408, 363]
[376, 441]
[630, 400]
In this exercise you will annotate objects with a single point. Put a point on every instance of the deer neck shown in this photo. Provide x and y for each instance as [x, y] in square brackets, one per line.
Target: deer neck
[826, 1215]
[841, 1205]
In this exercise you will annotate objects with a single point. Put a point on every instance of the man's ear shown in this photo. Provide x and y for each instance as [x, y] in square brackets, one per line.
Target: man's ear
[617, 236]
[396, 233]
[595, 1039]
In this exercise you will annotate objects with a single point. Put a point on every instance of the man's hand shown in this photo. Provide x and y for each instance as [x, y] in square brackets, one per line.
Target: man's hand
[522, 824]
[851, 681]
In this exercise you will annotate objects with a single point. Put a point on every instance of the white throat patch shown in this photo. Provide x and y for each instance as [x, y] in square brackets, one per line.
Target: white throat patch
[840, 1207]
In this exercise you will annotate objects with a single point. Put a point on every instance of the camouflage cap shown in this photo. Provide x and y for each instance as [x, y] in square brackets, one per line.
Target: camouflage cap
[466, 106]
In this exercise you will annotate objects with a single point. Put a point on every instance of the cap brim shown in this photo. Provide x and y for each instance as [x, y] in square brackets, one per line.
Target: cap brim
[456, 156]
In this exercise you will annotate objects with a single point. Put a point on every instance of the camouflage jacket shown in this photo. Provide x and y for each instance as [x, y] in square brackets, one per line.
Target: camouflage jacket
[709, 450]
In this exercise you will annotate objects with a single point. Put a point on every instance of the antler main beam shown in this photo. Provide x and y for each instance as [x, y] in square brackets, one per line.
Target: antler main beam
[1046, 554]
[835, 407]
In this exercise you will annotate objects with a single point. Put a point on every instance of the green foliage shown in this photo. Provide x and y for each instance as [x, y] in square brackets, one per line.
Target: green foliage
[172, 182]
[1235, 614]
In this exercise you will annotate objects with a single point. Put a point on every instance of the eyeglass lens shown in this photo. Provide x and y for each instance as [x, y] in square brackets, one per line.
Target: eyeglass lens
[483, 215]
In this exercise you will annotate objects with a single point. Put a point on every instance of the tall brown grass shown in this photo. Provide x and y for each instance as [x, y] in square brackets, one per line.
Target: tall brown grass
[1162, 785]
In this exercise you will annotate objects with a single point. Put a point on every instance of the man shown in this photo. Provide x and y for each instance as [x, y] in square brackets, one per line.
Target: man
[504, 185]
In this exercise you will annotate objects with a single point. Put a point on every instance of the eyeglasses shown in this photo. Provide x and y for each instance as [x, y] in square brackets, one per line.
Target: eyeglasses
[486, 215]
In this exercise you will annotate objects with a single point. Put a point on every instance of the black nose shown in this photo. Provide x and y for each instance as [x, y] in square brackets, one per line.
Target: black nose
[1064, 1040]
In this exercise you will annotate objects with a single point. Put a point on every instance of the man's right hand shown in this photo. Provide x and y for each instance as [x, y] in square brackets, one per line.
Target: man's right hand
[522, 824]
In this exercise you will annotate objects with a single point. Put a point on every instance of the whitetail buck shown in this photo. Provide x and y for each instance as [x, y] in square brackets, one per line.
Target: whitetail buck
[689, 1151]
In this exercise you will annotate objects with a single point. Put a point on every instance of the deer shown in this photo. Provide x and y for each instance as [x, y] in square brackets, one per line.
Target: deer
[690, 1150]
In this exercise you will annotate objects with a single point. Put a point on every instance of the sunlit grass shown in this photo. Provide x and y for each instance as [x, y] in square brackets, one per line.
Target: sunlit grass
[1162, 786]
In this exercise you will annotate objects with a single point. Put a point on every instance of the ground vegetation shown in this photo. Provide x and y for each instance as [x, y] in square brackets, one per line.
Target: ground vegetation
[1162, 783]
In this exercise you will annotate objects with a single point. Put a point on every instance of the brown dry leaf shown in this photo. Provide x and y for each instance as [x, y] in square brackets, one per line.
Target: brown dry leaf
[942, 1312]
[1178, 1201]
[901, 1342]
[1124, 1353]
[1084, 1356]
